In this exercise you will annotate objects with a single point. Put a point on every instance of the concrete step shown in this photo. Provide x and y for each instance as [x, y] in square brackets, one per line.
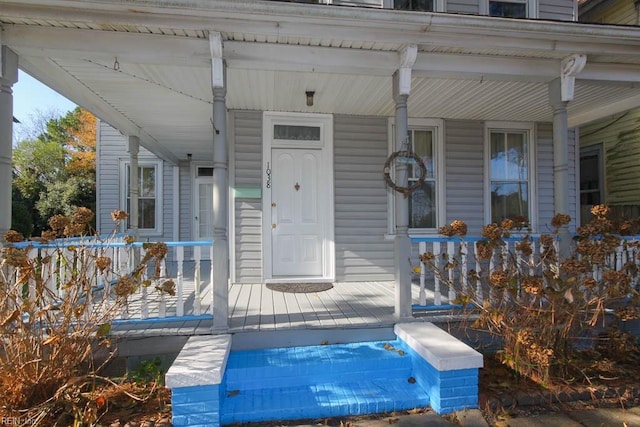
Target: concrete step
[299, 366]
[368, 396]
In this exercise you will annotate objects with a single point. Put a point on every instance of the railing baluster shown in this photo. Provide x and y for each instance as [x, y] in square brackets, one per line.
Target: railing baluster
[211, 299]
[479, 290]
[422, 248]
[437, 299]
[196, 277]
[451, 256]
[464, 267]
[180, 280]
[144, 304]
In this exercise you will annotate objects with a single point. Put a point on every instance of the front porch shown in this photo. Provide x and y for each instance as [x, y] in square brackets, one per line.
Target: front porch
[255, 308]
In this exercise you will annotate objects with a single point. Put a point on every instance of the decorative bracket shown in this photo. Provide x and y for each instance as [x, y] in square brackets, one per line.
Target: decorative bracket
[407, 56]
[217, 63]
[569, 67]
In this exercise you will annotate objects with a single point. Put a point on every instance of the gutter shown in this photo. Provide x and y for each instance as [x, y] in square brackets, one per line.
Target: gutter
[203, 14]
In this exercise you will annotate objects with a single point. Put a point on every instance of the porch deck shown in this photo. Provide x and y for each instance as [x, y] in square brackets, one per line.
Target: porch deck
[255, 308]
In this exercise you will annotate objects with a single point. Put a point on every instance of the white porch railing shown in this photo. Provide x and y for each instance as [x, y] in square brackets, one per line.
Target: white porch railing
[185, 264]
[463, 253]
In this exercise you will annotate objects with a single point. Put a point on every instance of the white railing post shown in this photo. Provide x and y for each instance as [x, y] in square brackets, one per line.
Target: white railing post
[451, 252]
[197, 309]
[479, 291]
[422, 248]
[464, 267]
[211, 277]
[180, 280]
[437, 297]
[144, 304]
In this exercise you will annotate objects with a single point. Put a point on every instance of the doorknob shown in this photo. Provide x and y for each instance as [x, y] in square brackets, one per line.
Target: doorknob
[297, 186]
[273, 204]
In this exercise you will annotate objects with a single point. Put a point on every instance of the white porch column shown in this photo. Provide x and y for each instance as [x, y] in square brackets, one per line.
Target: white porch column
[8, 76]
[134, 184]
[220, 189]
[561, 91]
[402, 247]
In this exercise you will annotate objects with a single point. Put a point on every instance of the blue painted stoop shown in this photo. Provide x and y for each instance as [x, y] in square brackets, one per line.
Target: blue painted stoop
[423, 366]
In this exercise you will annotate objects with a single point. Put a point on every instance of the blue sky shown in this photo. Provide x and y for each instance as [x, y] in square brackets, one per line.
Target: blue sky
[29, 95]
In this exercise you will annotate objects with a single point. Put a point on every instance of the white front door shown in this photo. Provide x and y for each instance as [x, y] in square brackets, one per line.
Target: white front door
[298, 231]
[297, 197]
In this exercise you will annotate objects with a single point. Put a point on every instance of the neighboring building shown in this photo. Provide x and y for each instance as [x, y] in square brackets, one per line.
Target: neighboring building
[266, 124]
[610, 147]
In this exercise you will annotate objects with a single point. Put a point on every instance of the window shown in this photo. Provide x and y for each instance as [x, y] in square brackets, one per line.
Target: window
[149, 197]
[591, 186]
[423, 5]
[506, 9]
[510, 171]
[425, 204]
[510, 8]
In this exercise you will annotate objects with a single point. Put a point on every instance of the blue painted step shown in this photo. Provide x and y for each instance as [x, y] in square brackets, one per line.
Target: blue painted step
[319, 381]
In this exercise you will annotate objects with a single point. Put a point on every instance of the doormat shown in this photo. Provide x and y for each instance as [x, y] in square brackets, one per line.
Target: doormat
[299, 287]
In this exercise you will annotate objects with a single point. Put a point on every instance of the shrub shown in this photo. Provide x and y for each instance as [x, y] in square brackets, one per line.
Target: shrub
[53, 317]
[540, 303]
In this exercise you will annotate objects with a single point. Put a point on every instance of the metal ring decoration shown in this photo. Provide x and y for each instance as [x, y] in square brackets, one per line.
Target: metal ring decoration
[387, 172]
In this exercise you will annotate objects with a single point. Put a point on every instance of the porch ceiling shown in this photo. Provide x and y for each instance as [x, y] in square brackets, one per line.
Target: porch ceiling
[149, 74]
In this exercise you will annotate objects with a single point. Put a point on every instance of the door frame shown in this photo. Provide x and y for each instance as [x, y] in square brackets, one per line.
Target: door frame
[325, 122]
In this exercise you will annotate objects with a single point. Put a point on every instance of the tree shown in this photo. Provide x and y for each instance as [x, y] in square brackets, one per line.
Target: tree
[54, 173]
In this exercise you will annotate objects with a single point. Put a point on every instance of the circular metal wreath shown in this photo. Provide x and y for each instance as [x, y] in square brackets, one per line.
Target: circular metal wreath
[387, 172]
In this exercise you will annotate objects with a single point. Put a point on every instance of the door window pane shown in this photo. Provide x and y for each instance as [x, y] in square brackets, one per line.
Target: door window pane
[422, 206]
[296, 133]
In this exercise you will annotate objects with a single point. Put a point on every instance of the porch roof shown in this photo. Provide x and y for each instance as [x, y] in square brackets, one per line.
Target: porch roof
[144, 66]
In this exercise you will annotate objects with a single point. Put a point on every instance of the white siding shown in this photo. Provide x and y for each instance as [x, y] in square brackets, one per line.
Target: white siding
[560, 10]
[360, 150]
[247, 128]
[186, 214]
[546, 209]
[464, 153]
[546, 205]
[111, 151]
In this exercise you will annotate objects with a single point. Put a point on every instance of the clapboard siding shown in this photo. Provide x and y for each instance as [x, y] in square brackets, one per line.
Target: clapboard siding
[545, 190]
[360, 150]
[463, 6]
[247, 153]
[110, 147]
[620, 137]
[464, 165]
[561, 10]
[186, 206]
[111, 153]
[621, 12]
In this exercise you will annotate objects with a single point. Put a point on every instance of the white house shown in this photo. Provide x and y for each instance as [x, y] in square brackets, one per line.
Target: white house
[266, 125]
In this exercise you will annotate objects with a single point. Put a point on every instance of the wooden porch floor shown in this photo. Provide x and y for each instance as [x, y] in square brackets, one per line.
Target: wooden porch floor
[255, 308]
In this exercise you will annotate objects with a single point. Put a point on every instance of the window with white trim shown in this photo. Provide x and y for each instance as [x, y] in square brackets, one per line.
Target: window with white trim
[149, 197]
[426, 204]
[510, 8]
[510, 166]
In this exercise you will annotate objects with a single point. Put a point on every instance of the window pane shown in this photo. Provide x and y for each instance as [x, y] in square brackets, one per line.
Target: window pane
[516, 158]
[423, 5]
[498, 156]
[507, 9]
[147, 182]
[296, 133]
[509, 156]
[509, 199]
[422, 206]
[423, 147]
[204, 171]
[147, 213]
